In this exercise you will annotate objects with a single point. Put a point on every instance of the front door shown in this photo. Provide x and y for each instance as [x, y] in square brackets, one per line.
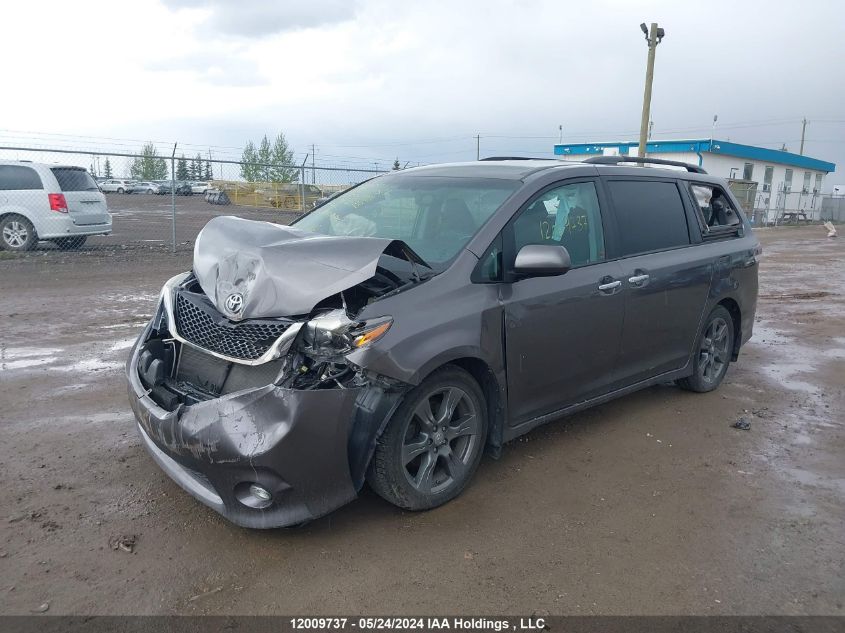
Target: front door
[562, 333]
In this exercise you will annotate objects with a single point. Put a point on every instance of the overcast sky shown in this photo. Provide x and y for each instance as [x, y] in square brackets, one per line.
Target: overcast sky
[372, 80]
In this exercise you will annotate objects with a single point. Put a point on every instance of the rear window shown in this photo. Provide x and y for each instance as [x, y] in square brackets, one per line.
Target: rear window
[74, 179]
[16, 177]
[650, 215]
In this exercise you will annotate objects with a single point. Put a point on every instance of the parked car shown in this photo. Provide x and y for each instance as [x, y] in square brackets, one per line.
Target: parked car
[58, 203]
[199, 187]
[116, 185]
[146, 186]
[183, 188]
[395, 332]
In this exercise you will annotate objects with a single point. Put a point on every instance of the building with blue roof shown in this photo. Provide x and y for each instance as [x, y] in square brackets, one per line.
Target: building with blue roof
[769, 181]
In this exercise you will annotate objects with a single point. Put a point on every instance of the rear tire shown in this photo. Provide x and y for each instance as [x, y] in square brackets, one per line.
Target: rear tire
[70, 243]
[433, 443]
[120, 190]
[714, 347]
[17, 234]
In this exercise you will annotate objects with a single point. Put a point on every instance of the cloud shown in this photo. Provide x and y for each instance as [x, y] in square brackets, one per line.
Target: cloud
[220, 69]
[256, 18]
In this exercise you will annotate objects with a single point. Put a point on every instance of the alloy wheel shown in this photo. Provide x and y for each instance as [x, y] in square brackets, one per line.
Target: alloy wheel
[713, 352]
[440, 441]
[15, 234]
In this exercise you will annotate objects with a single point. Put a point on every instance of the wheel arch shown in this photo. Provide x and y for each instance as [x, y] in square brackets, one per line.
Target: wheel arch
[6, 211]
[495, 395]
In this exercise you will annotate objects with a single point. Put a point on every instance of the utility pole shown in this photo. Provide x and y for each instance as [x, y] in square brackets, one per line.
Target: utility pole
[560, 139]
[653, 36]
[713, 129]
[803, 129]
[313, 168]
[650, 129]
[173, 198]
[478, 147]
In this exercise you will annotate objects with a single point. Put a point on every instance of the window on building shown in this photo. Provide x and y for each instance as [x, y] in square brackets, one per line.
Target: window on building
[818, 187]
[787, 181]
[767, 178]
[805, 188]
[748, 171]
[650, 215]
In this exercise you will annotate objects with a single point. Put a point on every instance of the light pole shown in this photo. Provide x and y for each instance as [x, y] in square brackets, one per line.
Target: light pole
[653, 36]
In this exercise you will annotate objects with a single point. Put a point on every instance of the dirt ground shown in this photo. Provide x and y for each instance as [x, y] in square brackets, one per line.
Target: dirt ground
[651, 504]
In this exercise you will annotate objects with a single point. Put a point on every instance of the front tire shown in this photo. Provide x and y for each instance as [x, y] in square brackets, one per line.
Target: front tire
[17, 234]
[120, 190]
[433, 443]
[713, 352]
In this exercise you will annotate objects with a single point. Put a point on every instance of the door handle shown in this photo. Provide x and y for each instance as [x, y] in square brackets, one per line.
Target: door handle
[610, 286]
[638, 280]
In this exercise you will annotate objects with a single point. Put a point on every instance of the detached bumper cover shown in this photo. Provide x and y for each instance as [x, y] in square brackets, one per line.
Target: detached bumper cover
[310, 449]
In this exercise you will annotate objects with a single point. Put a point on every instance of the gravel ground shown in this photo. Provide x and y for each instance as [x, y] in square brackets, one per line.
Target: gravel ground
[651, 504]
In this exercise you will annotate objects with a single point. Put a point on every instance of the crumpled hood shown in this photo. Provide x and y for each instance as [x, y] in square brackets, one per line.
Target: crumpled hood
[278, 270]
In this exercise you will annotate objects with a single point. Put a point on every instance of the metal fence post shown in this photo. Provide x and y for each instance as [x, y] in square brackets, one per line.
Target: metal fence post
[302, 188]
[173, 197]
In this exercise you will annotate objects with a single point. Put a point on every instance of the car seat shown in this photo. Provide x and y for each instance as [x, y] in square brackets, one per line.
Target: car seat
[455, 218]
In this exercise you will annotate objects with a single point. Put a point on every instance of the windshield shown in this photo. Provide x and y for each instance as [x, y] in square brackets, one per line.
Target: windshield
[436, 217]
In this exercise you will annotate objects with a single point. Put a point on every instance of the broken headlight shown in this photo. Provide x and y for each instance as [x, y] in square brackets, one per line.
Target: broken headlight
[334, 333]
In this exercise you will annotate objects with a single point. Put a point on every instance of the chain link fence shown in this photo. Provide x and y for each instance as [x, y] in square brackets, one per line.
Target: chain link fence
[129, 205]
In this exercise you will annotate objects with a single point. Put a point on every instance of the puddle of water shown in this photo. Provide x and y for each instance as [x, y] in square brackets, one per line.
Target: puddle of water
[808, 478]
[118, 326]
[765, 333]
[91, 364]
[835, 352]
[784, 374]
[24, 363]
[122, 344]
[14, 353]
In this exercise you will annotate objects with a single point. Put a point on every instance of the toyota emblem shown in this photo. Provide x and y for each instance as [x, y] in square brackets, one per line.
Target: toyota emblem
[235, 302]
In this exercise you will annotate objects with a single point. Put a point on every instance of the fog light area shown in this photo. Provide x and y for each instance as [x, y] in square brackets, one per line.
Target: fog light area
[253, 495]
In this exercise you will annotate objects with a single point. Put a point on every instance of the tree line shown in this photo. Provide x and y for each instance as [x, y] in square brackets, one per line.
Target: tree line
[269, 162]
[264, 162]
[151, 166]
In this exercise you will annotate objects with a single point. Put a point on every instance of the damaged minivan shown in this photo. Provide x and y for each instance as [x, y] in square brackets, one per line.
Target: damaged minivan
[398, 331]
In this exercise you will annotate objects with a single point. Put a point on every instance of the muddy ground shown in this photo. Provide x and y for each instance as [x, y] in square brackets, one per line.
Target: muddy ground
[651, 504]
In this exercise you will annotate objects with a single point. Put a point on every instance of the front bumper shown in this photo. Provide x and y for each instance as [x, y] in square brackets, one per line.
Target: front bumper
[309, 448]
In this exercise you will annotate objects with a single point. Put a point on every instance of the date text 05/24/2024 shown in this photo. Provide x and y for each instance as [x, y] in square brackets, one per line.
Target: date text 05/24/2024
[418, 623]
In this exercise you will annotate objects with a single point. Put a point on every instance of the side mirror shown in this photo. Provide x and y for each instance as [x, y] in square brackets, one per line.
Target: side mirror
[542, 260]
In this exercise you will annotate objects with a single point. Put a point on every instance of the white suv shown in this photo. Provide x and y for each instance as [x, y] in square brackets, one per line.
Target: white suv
[59, 203]
[117, 185]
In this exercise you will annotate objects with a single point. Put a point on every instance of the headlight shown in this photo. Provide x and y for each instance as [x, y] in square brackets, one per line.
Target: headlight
[334, 333]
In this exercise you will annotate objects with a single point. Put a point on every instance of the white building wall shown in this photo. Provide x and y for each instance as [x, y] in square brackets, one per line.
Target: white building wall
[773, 203]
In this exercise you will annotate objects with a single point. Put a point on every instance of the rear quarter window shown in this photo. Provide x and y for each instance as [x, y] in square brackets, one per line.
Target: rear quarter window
[14, 177]
[74, 179]
[650, 215]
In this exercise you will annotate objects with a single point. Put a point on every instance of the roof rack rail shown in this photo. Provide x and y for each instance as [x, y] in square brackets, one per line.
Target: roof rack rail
[615, 160]
[514, 158]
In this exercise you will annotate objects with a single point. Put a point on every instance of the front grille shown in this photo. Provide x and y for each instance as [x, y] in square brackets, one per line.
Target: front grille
[198, 322]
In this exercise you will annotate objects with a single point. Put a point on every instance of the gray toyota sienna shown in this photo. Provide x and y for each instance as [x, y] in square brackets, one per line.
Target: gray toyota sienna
[400, 329]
